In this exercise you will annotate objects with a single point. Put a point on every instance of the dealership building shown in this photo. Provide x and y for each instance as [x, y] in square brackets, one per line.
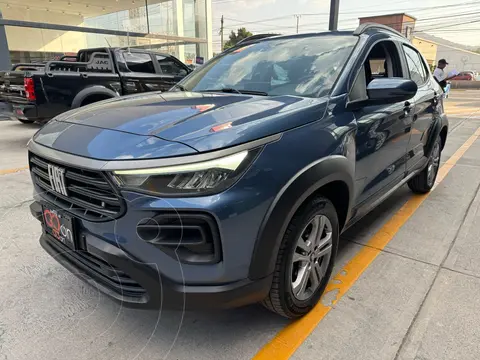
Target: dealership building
[40, 30]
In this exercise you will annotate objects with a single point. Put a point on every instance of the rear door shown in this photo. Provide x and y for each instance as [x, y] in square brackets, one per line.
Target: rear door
[171, 70]
[138, 72]
[423, 108]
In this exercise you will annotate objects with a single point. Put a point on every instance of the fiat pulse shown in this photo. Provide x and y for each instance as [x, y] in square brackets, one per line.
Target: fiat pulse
[233, 187]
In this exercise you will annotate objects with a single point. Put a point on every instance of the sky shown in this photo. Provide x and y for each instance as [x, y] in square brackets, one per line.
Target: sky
[454, 21]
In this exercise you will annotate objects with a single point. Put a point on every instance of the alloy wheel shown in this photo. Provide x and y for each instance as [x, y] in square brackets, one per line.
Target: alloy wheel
[311, 257]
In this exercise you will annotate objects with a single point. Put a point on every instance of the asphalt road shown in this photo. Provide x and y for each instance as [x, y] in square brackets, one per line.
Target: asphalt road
[407, 285]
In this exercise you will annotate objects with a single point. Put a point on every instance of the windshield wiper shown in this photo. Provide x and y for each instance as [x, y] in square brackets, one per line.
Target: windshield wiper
[236, 91]
[178, 86]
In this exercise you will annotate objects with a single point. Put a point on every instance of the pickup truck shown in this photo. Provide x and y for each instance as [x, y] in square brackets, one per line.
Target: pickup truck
[39, 92]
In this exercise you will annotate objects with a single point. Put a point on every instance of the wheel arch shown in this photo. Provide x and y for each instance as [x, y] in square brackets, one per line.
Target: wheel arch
[94, 90]
[330, 177]
[439, 128]
[443, 135]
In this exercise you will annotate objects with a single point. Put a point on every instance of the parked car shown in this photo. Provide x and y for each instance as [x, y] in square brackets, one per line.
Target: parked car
[233, 187]
[97, 74]
[465, 75]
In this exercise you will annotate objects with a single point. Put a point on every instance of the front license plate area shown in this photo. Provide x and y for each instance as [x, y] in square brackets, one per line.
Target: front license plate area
[59, 225]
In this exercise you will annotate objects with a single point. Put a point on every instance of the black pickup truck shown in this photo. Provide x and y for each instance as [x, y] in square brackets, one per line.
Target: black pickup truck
[38, 92]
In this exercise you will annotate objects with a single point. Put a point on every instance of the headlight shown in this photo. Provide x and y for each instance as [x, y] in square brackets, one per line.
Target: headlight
[206, 177]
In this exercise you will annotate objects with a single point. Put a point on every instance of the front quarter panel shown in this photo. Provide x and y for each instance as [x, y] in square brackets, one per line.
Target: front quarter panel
[312, 156]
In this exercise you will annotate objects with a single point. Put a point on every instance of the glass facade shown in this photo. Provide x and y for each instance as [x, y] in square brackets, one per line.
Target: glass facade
[178, 27]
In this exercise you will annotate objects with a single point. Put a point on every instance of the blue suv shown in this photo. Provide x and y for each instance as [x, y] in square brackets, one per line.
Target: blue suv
[233, 187]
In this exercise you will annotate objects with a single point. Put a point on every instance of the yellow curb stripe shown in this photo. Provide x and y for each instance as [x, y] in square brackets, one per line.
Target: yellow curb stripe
[289, 339]
[11, 171]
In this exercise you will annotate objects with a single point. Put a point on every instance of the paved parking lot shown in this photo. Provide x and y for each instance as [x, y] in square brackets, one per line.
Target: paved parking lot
[407, 283]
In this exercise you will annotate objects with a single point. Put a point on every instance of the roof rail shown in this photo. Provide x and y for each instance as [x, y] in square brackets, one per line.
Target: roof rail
[256, 37]
[364, 27]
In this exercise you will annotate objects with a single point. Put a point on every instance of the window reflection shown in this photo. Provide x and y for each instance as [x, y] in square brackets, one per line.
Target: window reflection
[179, 18]
[301, 66]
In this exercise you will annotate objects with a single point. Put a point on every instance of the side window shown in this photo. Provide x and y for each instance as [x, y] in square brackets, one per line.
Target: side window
[170, 67]
[418, 73]
[383, 61]
[139, 62]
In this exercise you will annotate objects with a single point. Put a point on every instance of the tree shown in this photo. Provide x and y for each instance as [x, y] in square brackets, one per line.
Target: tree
[241, 34]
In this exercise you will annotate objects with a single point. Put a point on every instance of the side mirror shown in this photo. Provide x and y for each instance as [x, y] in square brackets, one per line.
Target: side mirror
[390, 90]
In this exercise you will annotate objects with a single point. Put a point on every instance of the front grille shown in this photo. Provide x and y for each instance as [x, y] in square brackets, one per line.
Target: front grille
[90, 195]
[109, 275]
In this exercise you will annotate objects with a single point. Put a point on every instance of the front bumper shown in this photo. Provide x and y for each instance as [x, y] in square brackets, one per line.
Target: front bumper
[137, 283]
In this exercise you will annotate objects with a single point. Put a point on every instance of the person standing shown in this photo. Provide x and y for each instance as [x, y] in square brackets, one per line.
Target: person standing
[440, 75]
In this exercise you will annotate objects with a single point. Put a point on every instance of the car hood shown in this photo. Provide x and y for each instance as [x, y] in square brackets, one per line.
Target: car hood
[176, 123]
[105, 144]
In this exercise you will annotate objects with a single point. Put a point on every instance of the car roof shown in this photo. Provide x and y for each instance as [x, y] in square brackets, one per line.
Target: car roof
[363, 28]
[266, 37]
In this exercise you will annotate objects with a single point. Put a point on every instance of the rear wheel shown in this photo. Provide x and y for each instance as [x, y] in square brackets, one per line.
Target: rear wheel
[305, 260]
[424, 181]
[94, 98]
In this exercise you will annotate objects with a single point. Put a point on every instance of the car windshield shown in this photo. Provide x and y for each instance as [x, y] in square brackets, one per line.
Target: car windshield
[305, 66]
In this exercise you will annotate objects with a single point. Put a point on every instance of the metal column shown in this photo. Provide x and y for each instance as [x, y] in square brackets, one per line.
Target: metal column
[5, 63]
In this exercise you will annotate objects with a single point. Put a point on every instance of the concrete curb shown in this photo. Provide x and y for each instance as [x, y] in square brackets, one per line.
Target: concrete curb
[465, 84]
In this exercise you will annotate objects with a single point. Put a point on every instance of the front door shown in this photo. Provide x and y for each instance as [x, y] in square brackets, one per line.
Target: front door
[382, 139]
[383, 130]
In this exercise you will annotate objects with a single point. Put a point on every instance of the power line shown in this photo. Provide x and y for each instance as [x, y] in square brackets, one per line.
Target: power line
[426, 22]
[423, 22]
[457, 24]
[269, 19]
[258, 22]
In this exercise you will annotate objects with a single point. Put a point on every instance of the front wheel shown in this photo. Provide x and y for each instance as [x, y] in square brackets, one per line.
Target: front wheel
[424, 181]
[305, 260]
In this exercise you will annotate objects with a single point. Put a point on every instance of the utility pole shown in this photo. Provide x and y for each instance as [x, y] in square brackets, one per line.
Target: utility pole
[221, 33]
[333, 23]
[298, 20]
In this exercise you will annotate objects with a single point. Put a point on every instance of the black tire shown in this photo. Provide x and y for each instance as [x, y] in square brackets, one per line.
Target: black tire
[281, 299]
[26, 121]
[423, 183]
[94, 98]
